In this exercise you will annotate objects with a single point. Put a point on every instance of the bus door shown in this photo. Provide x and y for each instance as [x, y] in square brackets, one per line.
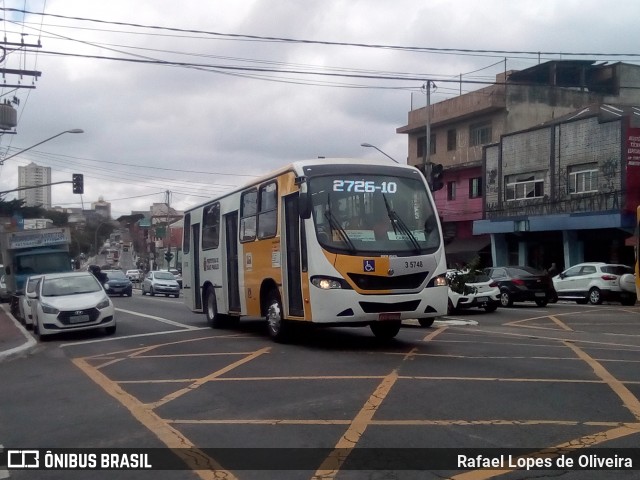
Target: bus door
[293, 253]
[194, 288]
[231, 241]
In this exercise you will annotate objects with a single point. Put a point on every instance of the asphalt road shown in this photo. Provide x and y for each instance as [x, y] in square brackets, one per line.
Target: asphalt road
[563, 376]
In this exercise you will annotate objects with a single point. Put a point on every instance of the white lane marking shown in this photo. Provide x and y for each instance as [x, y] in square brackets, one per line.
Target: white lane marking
[159, 319]
[111, 339]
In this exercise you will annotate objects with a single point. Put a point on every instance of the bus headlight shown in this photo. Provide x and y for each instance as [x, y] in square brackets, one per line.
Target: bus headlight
[326, 283]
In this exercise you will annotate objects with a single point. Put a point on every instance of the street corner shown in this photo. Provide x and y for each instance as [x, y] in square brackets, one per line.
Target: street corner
[14, 338]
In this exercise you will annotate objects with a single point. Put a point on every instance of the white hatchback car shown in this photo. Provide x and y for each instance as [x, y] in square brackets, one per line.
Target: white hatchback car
[71, 301]
[472, 291]
[595, 282]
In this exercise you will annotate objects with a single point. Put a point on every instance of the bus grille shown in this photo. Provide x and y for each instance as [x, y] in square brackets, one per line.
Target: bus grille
[401, 282]
[377, 307]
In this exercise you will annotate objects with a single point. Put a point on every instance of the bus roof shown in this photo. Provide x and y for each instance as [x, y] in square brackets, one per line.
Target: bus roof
[298, 166]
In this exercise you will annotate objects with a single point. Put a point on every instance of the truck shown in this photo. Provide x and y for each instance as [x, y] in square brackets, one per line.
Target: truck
[32, 252]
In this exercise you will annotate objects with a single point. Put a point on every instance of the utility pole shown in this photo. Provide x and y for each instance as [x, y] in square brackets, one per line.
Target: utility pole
[167, 237]
[426, 158]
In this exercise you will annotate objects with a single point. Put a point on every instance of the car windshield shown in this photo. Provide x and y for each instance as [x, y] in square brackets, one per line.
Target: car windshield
[373, 213]
[116, 275]
[164, 276]
[56, 287]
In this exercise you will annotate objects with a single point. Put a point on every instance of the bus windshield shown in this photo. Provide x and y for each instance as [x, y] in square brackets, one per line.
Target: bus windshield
[373, 214]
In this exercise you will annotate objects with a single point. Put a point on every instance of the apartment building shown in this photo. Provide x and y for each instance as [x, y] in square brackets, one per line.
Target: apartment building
[34, 175]
[462, 127]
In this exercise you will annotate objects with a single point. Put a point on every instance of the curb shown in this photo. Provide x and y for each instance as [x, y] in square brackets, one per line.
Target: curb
[29, 341]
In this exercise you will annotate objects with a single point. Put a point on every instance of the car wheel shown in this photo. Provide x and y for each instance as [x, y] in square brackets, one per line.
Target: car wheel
[450, 308]
[628, 302]
[426, 322]
[505, 299]
[386, 330]
[595, 297]
[542, 302]
[151, 292]
[491, 307]
[38, 331]
[279, 328]
[110, 330]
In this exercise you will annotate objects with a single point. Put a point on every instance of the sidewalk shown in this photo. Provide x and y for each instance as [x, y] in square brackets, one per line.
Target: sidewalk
[14, 338]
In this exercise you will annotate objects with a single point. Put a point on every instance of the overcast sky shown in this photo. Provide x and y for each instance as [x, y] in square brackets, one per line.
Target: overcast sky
[196, 97]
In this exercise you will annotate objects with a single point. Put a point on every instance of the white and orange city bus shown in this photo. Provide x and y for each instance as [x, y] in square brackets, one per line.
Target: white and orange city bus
[329, 241]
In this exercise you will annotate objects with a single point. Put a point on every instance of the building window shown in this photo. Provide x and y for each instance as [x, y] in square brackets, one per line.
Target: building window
[451, 139]
[524, 186]
[480, 133]
[583, 178]
[475, 187]
[451, 190]
[432, 145]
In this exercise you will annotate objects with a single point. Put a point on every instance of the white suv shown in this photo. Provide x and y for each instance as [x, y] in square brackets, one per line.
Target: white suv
[595, 282]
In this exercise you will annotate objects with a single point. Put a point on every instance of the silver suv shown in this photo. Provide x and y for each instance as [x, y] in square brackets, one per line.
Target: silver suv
[595, 282]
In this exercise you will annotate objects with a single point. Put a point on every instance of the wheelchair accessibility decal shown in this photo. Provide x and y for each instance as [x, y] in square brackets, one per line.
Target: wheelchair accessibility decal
[369, 265]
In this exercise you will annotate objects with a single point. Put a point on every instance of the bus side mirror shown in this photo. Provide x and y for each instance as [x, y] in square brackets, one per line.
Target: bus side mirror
[304, 208]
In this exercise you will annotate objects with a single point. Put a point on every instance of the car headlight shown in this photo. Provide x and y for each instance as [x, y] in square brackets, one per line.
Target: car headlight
[326, 283]
[440, 281]
[49, 309]
[103, 304]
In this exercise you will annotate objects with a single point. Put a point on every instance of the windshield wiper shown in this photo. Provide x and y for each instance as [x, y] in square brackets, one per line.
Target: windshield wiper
[397, 221]
[335, 225]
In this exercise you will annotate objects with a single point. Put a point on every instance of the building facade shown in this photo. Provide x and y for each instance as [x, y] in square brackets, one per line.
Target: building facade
[462, 127]
[34, 175]
[565, 192]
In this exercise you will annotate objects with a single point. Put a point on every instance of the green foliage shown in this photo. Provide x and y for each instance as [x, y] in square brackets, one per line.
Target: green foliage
[466, 274]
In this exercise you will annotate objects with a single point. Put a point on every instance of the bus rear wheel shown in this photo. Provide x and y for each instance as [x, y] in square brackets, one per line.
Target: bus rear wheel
[214, 318]
[386, 330]
[276, 324]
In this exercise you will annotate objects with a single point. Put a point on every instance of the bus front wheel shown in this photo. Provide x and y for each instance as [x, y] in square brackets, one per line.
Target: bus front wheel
[386, 330]
[277, 325]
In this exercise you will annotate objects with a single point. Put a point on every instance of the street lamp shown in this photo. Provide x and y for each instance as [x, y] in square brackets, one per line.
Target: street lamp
[373, 146]
[75, 130]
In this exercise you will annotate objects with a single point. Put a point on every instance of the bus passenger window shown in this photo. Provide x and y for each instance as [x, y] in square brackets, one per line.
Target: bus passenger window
[267, 218]
[211, 226]
[248, 210]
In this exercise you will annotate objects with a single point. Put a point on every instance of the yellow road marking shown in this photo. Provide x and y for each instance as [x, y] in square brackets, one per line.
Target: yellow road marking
[629, 400]
[434, 334]
[201, 381]
[171, 437]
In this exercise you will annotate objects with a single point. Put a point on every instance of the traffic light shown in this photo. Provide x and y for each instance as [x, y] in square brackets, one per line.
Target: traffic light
[435, 175]
[77, 180]
[168, 256]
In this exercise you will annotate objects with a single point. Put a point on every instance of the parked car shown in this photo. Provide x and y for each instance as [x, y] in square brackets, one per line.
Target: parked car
[4, 294]
[469, 290]
[522, 284]
[133, 275]
[161, 282]
[595, 282]
[70, 301]
[117, 283]
[25, 312]
[178, 275]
